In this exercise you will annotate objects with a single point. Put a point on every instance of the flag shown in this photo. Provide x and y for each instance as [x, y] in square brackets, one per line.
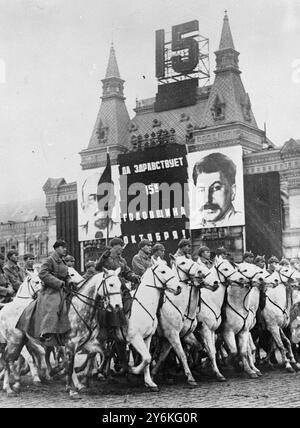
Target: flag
[105, 178]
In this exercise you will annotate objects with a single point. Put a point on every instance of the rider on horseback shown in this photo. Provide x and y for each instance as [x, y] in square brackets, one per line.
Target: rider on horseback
[47, 317]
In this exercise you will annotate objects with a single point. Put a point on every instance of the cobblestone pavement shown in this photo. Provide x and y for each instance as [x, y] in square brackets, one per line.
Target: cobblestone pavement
[274, 389]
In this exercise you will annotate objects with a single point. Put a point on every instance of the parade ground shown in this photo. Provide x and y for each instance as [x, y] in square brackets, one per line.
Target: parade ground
[276, 389]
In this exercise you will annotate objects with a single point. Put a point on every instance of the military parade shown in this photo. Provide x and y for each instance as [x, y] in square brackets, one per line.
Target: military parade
[161, 269]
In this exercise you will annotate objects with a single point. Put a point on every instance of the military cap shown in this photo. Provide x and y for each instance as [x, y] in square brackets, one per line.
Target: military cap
[11, 253]
[158, 247]
[184, 242]
[273, 259]
[144, 242]
[248, 254]
[29, 256]
[221, 250]
[202, 249]
[60, 243]
[284, 262]
[259, 259]
[90, 263]
[116, 241]
[69, 258]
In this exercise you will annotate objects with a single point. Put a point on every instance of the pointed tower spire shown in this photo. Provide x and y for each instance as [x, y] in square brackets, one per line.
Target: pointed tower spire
[227, 58]
[112, 66]
[226, 41]
[228, 100]
[111, 128]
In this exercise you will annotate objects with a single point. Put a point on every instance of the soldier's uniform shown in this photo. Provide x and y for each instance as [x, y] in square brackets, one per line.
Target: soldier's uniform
[141, 261]
[180, 252]
[6, 290]
[14, 274]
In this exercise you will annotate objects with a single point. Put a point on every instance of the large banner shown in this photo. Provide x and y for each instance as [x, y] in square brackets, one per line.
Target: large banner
[95, 219]
[216, 188]
[154, 197]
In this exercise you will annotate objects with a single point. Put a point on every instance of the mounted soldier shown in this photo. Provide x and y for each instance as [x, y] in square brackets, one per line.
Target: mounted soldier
[46, 318]
[204, 257]
[184, 248]
[12, 270]
[248, 257]
[158, 253]
[6, 290]
[112, 259]
[142, 260]
[29, 259]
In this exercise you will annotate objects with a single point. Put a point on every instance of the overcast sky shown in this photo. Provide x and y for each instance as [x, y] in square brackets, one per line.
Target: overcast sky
[54, 53]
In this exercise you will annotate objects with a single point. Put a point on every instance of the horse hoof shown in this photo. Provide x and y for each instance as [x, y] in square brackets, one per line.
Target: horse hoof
[296, 367]
[74, 395]
[290, 369]
[82, 388]
[152, 388]
[253, 376]
[221, 379]
[192, 384]
[259, 373]
[37, 383]
[11, 394]
[16, 388]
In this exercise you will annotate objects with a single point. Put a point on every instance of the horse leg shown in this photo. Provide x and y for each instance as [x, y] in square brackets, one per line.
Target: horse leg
[69, 366]
[243, 341]
[250, 353]
[164, 351]
[208, 338]
[147, 376]
[174, 339]
[275, 331]
[138, 343]
[38, 354]
[230, 346]
[291, 357]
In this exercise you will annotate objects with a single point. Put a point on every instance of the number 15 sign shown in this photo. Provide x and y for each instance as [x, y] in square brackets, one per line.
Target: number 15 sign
[183, 56]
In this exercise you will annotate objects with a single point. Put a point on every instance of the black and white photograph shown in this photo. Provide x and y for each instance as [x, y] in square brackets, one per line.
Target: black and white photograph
[149, 207]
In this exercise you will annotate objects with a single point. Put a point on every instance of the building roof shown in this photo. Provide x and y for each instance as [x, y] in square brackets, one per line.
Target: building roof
[226, 41]
[227, 91]
[111, 127]
[18, 211]
[112, 66]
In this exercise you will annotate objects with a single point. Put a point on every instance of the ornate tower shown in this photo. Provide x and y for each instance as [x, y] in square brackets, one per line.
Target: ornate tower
[111, 128]
[228, 101]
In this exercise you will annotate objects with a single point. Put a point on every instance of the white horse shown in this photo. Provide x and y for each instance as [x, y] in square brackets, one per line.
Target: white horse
[241, 307]
[158, 282]
[9, 315]
[103, 289]
[276, 314]
[177, 316]
[210, 316]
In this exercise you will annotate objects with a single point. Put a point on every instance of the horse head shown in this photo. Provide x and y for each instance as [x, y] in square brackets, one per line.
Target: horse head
[110, 288]
[29, 287]
[227, 273]
[164, 278]
[289, 276]
[253, 274]
[187, 270]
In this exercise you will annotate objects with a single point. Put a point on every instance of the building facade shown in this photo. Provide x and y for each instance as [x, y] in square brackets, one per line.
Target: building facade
[220, 117]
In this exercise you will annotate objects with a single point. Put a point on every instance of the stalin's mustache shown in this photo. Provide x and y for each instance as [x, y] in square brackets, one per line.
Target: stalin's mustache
[211, 207]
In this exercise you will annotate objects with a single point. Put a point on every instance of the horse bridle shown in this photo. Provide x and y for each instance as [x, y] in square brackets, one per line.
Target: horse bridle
[190, 279]
[164, 286]
[221, 273]
[30, 290]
